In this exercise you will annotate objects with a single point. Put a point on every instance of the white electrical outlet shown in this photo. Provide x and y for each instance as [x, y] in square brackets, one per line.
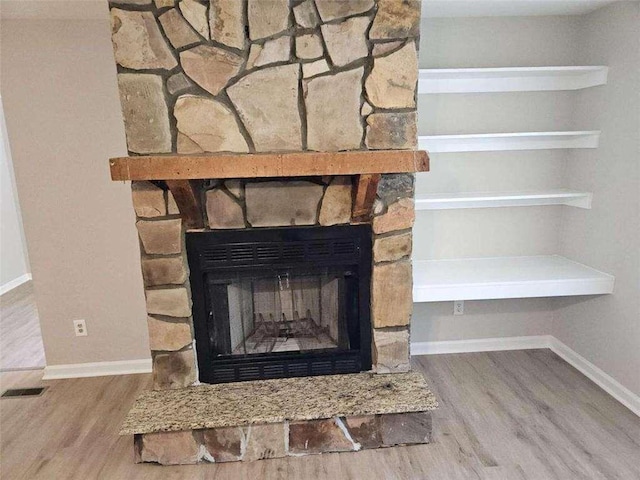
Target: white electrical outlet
[458, 307]
[80, 327]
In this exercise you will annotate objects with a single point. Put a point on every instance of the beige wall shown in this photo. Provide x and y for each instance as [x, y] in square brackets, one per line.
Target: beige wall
[606, 329]
[58, 85]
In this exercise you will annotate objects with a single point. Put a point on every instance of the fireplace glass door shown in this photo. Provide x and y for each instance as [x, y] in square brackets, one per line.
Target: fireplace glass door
[282, 311]
[273, 303]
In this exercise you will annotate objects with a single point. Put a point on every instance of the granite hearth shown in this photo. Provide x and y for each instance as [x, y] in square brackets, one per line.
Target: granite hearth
[285, 417]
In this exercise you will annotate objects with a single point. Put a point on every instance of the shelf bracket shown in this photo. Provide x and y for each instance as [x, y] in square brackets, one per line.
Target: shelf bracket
[188, 201]
[364, 195]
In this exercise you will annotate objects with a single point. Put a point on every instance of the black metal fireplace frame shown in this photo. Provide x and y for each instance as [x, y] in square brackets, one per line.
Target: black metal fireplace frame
[348, 247]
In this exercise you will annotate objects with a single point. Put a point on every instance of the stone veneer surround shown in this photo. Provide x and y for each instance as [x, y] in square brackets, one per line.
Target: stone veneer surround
[252, 76]
[234, 204]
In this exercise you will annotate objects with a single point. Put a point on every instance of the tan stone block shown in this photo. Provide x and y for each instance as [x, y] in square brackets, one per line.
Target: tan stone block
[391, 294]
[378, 206]
[276, 50]
[267, 18]
[169, 448]
[187, 146]
[164, 271]
[381, 49]
[174, 369]
[396, 19]
[145, 113]
[148, 200]
[235, 188]
[366, 109]
[365, 430]
[390, 350]
[333, 111]
[210, 67]
[399, 216]
[226, 19]
[406, 428]
[196, 14]
[393, 79]
[282, 203]
[390, 249]
[224, 444]
[172, 206]
[318, 436]
[178, 31]
[177, 83]
[208, 125]
[336, 203]
[161, 237]
[346, 41]
[254, 53]
[309, 46]
[265, 441]
[305, 14]
[333, 9]
[222, 211]
[392, 131]
[172, 302]
[137, 41]
[267, 102]
[131, 2]
[314, 68]
[168, 336]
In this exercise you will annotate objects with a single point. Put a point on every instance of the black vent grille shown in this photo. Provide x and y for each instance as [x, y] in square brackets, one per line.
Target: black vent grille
[278, 253]
[347, 363]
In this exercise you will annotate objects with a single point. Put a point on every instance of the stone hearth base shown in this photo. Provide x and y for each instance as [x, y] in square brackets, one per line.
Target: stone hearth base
[276, 418]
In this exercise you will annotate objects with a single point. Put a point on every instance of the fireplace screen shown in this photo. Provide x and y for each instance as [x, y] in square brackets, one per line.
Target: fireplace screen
[280, 302]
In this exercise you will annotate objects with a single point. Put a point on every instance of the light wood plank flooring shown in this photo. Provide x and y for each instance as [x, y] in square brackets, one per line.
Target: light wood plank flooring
[20, 338]
[503, 415]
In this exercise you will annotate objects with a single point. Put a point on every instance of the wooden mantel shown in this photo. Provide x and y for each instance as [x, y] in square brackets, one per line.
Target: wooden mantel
[264, 165]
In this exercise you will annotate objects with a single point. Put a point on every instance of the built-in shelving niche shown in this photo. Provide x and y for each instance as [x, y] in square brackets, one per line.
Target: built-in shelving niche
[507, 277]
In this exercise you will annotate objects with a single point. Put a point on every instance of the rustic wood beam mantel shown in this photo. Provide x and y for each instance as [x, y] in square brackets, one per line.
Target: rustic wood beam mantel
[263, 165]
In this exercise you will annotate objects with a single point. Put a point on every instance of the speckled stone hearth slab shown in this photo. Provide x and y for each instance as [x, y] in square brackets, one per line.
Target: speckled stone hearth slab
[273, 401]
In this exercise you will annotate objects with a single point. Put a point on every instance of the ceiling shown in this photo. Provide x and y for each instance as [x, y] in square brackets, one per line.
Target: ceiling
[54, 9]
[504, 8]
[97, 9]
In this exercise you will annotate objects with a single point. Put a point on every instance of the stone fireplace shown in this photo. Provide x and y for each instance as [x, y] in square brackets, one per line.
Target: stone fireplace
[272, 160]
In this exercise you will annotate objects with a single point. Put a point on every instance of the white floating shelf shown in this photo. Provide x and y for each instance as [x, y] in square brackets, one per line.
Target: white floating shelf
[446, 201]
[506, 277]
[490, 142]
[516, 79]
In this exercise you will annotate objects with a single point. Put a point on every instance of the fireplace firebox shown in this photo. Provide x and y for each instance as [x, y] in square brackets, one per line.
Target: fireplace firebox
[281, 302]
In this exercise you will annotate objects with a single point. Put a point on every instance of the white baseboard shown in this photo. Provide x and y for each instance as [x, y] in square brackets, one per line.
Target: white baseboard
[584, 366]
[97, 369]
[597, 376]
[480, 345]
[16, 282]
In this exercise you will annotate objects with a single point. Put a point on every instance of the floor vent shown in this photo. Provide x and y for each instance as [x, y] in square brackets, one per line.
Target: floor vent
[23, 392]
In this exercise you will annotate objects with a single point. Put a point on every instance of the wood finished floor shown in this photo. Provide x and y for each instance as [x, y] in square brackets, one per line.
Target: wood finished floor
[20, 337]
[503, 415]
